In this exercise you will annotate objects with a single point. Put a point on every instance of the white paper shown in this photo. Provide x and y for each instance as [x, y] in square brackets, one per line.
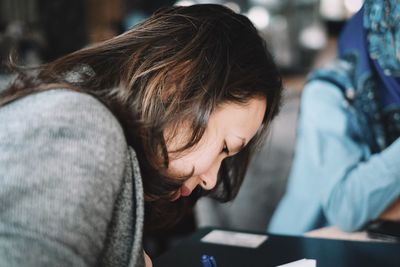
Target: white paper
[234, 239]
[301, 263]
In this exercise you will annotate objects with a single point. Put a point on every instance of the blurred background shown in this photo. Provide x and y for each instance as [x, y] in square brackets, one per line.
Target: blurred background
[301, 34]
[42, 30]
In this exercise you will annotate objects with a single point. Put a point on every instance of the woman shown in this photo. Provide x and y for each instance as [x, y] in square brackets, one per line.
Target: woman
[174, 106]
[346, 170]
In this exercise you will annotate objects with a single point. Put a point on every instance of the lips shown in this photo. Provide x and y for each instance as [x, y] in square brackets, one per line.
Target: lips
[185, 191]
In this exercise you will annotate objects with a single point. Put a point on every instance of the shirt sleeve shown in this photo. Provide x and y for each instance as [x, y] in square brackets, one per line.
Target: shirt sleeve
[354, 185]
[61, 166]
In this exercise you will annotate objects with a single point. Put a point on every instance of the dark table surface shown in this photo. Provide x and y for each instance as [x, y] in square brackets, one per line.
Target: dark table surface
[277, 250]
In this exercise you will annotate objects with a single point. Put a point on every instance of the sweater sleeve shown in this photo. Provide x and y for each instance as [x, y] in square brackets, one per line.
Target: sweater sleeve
[355, 186]
[61, 166]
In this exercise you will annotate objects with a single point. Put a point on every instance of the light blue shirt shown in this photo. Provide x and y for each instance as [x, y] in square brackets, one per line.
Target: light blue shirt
[335, 179]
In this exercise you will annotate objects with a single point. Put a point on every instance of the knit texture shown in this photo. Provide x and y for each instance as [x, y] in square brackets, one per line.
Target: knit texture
[70, 187]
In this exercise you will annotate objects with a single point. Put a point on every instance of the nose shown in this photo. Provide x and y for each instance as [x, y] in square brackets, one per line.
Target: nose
[209, 178]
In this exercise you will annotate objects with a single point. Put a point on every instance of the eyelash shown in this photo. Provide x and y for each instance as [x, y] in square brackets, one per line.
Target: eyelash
[225, 148]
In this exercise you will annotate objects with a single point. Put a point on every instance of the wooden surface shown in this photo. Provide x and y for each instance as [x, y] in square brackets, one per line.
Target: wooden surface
[333, 232]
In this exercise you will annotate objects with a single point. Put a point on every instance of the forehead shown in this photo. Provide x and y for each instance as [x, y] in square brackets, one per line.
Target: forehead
[243, 119]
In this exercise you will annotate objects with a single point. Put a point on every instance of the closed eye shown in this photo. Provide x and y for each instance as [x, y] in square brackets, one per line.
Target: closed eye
[225, 148]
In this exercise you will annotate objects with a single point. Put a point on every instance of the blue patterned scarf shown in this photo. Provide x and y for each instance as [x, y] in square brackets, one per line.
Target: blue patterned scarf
[373, 34]
[368, 70]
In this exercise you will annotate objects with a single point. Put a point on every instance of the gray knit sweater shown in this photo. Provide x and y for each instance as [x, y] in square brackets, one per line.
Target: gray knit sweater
[70, 187]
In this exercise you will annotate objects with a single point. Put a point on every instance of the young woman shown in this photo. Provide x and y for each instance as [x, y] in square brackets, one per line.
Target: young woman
[346, 170]
[158, 115]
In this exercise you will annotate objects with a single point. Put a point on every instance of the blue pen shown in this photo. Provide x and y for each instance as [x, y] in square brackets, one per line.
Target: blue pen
[213, 262]
[208, 261]
[205, 261]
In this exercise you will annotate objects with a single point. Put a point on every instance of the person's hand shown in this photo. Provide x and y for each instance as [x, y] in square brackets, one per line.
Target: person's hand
[147, 260]
[392, 213]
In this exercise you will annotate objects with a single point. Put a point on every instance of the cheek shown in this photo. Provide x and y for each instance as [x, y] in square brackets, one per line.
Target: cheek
[201, 158]
[202, 165]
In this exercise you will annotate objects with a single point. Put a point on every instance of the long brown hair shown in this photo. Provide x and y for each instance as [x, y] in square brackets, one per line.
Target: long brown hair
[177, 66]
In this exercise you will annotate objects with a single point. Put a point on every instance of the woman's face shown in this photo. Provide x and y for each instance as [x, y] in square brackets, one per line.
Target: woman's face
[229, 129]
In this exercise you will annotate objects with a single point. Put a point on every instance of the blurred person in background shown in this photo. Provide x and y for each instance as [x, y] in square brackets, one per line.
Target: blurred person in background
[346, 168]
[142, 124]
